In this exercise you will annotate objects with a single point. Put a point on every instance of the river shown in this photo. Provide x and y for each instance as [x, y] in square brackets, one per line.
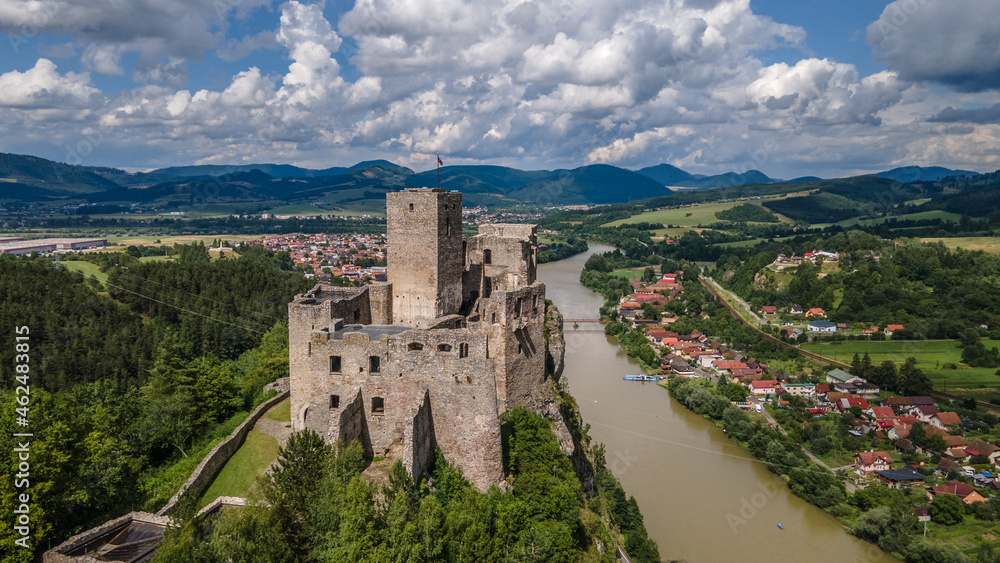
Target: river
[704, 499]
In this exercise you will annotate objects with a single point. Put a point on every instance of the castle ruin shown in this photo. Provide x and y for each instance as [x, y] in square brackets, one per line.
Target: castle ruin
[433, 357]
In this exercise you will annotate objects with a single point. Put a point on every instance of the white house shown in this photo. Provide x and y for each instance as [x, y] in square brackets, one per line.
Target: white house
[822, 326]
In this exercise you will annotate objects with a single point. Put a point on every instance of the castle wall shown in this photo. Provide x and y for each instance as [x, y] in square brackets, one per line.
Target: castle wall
[425, 262]
[517, 341]
[457, 381]
[419, 441]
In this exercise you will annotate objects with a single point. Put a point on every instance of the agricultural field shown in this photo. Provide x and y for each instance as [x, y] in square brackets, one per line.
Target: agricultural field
[739, 243]
[308, 210]
[690, 216]
[987, 244]
[119, 244]
[931, 355]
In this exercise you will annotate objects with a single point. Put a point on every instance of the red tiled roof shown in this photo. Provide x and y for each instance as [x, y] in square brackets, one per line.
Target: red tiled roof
[948, 418]
[764, 383]
[882, 412]
[868, 458]
[954, 487]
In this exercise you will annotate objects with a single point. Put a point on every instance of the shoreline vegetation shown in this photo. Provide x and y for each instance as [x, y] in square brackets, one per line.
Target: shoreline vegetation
[878, 514]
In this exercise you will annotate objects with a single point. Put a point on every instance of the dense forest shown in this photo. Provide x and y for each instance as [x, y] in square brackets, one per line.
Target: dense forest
[126, 399]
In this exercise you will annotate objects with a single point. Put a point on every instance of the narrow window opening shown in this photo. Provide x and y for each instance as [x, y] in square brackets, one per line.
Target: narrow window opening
[518, 347]
[464, 249]
[378, 405]
[487, 256]
[494, 321]
[334, 401]
[447, 227]
[411, 207]
[444, 348]
[357, 315]
[463, 350]
[335, 364]
[517, 307]
[374, 364]
[415, 347]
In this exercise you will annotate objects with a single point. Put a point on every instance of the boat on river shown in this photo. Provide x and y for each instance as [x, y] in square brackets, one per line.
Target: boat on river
[642, 378]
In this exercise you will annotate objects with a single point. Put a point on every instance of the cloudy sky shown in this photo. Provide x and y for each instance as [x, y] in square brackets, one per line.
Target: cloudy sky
[792, 88]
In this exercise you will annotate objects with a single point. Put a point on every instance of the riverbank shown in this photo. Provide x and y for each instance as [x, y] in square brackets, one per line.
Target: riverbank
[687, 477]
[794, 469]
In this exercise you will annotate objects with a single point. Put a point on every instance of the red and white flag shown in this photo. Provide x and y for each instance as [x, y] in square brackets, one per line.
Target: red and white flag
[439, 161]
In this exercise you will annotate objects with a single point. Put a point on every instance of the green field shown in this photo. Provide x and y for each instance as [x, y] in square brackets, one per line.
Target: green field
[692, 215]
[86, 268]
[931, 355]
[241, 471]
[630, 273]
[282, 412]
[310, 210]
[937, 214]
[739, 243]
[987, 244]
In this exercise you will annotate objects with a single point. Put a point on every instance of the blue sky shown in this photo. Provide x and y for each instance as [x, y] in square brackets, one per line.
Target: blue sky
[826, 88]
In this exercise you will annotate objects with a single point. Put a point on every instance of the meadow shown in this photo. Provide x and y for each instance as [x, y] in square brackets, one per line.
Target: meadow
[931, 356]
[986, 244]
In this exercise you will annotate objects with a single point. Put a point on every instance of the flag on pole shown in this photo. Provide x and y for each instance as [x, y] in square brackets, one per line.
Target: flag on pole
[439, 161]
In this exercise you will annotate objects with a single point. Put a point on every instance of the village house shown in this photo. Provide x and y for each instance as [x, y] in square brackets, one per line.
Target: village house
[799, 389]
[966, 493]
[923, 413]
[896, 478]
[822, 326]
[945, 419]
[815, 312]
[764, 388]
[879, 413]
[768, 310]
[889, 329]
[866, 463]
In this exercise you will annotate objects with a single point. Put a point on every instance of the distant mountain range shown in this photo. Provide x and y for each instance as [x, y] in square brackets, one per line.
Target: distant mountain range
[33, 179]
[908, 174]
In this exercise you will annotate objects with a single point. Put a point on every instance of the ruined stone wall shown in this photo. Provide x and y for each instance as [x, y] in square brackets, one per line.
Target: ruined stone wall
[517, 342]
[425, 262]
[509, 262]
[419, 441]
[380, 303]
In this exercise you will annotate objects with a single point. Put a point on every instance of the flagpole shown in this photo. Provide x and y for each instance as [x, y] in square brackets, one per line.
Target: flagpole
[439, 170]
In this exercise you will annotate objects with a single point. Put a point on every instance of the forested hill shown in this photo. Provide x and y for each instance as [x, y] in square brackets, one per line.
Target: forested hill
[124, 387]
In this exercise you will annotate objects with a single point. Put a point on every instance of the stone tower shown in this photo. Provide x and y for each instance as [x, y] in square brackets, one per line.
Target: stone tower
[426, 257]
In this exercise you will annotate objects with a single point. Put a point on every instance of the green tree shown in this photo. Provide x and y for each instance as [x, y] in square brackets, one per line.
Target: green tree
[947, 509]
[168, 399]
[923, 550]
